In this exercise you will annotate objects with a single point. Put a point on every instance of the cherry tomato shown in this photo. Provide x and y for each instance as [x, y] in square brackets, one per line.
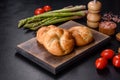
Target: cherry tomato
[116, 61]
[107, 53]
[38, 11]
[101, 63]
[47, 8]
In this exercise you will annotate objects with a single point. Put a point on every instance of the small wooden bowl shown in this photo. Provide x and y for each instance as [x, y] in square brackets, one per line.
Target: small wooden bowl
[107, 27]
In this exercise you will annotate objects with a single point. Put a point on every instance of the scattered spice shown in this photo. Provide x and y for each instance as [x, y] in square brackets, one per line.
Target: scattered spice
[111, 17]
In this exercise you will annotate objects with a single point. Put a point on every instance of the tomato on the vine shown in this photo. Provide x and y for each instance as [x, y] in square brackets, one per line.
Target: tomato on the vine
[116, 61]
[38, 11]
[101, 63]
[107, 53]
[47, 8]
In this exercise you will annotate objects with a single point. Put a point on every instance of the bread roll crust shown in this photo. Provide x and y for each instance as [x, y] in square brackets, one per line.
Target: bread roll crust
[82, 35]
[42, 32]
[57, 41]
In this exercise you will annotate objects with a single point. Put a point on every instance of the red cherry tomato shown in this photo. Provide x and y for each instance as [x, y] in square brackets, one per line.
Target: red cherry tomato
[107, 53]
[101, 63]
[38, 11]
[47, 8]
[116, 61]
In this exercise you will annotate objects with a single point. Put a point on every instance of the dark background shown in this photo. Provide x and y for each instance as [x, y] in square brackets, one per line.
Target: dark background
[15, 67]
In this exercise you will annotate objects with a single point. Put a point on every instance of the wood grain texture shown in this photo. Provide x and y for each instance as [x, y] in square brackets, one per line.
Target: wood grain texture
[38, 54]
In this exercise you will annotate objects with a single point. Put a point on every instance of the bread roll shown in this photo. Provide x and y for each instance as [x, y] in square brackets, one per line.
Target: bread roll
[56, 40]
[82, 35]
[42, 32]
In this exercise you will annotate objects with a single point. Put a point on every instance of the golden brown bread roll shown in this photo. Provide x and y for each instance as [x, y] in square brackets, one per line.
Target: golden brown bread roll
[56, 40]
[42, 32]
[82, 35]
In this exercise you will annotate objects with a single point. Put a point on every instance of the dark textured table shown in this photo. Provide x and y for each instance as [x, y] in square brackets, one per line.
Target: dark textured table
[15, 67]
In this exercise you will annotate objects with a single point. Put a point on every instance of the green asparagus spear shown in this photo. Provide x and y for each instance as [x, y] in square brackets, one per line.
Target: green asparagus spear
[71, 9]
[78, 13]
[33, 18]
[55, 21]
[28, 20]
[35, 24]
[22, 22]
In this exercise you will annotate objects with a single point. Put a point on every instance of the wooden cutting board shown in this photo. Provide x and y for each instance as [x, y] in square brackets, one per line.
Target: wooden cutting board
[38, 54]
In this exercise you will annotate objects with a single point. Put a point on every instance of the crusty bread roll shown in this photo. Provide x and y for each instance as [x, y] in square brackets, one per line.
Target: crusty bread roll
[56, 40]
[82, 35]
[42, 32]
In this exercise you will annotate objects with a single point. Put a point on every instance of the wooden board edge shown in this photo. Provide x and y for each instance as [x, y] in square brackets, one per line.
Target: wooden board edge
[59, 68]
[35, 60]
[76, 58]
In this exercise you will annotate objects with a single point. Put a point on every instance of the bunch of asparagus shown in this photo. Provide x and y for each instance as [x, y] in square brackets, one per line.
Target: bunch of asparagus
[53, 17]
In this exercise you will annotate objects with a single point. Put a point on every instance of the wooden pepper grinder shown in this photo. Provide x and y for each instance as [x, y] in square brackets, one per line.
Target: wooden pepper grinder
[93, 16]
